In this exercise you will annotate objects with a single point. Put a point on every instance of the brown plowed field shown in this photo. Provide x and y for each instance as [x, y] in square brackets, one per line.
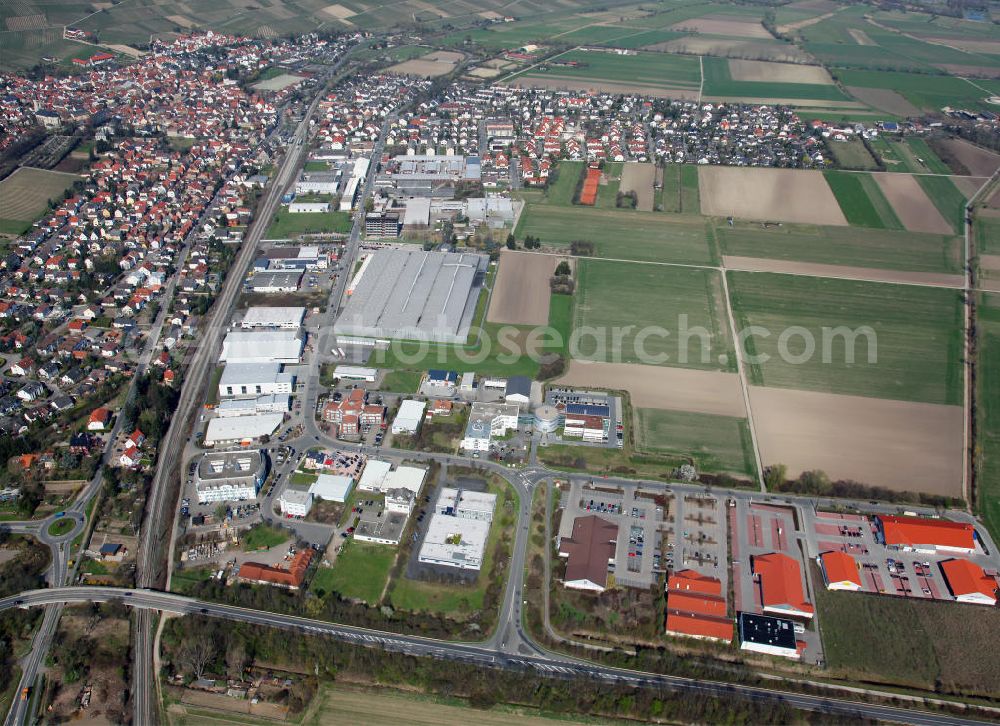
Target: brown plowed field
[779, 195]
[722, 25]
[884, 100]
[638, 178]
[979, 161]
[521, 291]
[770, 72]
[675, 389]
[897, 444]
[913, 207]
[789, 267]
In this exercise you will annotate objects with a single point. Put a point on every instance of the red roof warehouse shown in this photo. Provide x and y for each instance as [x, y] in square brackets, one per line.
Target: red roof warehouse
[696, 607]
[781, 585]
[926, 535]
[969, 583]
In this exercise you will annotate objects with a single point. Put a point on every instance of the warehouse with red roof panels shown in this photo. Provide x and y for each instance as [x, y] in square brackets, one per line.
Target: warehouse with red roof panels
[696, 607]
[840, 571]
[968, 582]
[780, 580]
[920, 534]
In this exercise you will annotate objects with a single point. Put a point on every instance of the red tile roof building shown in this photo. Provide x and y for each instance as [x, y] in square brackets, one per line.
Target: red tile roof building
[840, 571]
[926, 535]
[969, 583]
[780, 579]
[290, 578]
[696, 607]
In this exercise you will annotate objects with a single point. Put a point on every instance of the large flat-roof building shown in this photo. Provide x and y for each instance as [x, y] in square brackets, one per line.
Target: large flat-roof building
[295, 502]
[465, 504]
[487, 420]
[416, 175]
[455, 542]
[272, 281]
[696, 607]
[229, 477]
[273, 403]
[413, 294]
[332, 487]
[263, 316]
[251, 380]
[241, 429]
[262, 346]
[769, 635]
[409, 416]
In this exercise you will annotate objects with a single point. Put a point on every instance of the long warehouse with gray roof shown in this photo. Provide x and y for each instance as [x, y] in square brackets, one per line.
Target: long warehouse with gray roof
[412, 294]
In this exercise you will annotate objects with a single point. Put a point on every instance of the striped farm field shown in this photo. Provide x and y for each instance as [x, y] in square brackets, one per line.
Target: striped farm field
[25, 194]
[948, 199]
[861, 200]
[907, 340]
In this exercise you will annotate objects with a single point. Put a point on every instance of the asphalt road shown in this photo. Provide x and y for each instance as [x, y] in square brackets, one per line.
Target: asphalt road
[545, 663]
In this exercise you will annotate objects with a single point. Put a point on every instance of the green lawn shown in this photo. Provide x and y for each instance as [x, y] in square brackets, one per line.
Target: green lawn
[614, 295]
[182, 580]
[561, 190]
[947, 198]
[302, 479]
[861, 200]
[879, 248]
[988, 413]
[402, 381]
[316, 166]
[916, 336]
[286, 225]
[263, 537]
[361, 571]
[620, 234]
[61, 526]
[607, 194]
[716, 443]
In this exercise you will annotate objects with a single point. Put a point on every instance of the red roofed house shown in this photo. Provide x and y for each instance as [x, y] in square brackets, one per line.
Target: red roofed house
[588, 552]
[840, 571]
[926, 535]
[969, 583]
[290, 578]
[696, 607]
[780, 579]
[99, 420]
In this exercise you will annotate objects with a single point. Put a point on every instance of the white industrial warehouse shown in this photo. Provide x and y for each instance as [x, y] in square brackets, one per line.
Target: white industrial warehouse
[262, 346]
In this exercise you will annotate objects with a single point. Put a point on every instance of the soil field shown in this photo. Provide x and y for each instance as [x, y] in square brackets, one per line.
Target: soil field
[884, 100]
[278, 82]
[786, 195]
[638, 178]
[521, 291]
[979, 161]
[989, 47]
[435, 64]
[914, 209]
[851, 337]
[724, 25]
[861, 199]
[770, 72]
[556, 82]
[380, 707]
[968, 185]
[672, 389]
[734, 48]
[901, 445]
[636, 313]
[25, 194]
[752, 264]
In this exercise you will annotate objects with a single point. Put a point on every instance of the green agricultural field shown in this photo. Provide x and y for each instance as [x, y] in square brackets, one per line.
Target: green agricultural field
[897, 155]
[925, 157]
[861, 200]
[878, 248]
[635, 298]
[909, 642]
[669, 197]
[852, 154]
[287, 225]
[719, 82]
[644, 70]
[912, 352]
[607, 194]
[25, 196]
[947, 198]
[987, 234]
[360, 572]
[716, 443]
[928, 92]
[620, 234]
[988, 413]
[561, 190]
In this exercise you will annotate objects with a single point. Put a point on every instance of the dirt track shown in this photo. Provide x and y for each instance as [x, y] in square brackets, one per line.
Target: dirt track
[638, 178]
[755, 264]
[521, 291]
[785, 195]
[676, 389]
[913, 207]
[896, 444]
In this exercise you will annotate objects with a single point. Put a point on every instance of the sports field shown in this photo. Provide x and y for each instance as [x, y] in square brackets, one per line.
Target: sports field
[861, 200]
[881, 248]
[25, 194]
[915, 334]
[620, 234]
[717, 443]
[630, 306]
[287, 225]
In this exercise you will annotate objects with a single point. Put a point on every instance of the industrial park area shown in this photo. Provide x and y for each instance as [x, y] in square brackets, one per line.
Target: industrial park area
[443, 363]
